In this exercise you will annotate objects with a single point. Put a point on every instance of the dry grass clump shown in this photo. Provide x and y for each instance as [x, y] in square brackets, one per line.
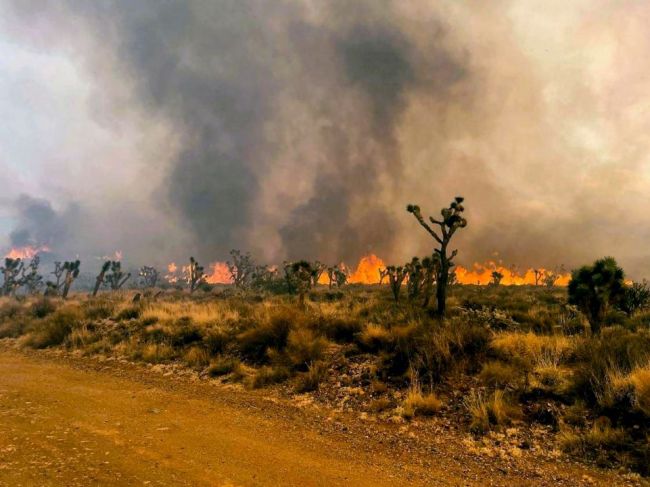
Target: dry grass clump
[267, 375]
[419, 404]
[531, 349]
[379, 405]
[499, 374]
[223, 366]
[488, 411]
[601, 436]
[304, 347]
[311, 379]
[156, 353]
[196, 357]
[53, 329]
[269, 332]
[375, 337]
[640, 379]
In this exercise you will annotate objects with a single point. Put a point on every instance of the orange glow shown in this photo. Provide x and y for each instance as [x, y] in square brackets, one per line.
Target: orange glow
[27, 252]
[367, 271]
[219, 274]
[482, 274]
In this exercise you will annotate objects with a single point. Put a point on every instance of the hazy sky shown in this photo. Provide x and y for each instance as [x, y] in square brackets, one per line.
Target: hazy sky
[303, 128]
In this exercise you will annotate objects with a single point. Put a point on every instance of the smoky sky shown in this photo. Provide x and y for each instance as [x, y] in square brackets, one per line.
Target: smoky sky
[301, 129]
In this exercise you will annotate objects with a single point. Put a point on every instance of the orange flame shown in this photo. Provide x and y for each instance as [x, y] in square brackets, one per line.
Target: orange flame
[220, 274]
[367, 271]
[482, 274]
[27, 252]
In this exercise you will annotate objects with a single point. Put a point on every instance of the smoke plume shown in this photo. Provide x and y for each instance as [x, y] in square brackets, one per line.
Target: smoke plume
[302, 129]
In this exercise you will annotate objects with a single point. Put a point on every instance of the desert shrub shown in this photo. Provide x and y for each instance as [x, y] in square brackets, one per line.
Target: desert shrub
[311, 379]
[268, 375]
[499, 375]
[616, 351]
[216, 340]
[601, 436]
[304, 346]
[374, 338]
[54, 329]
[341, 330]
[98, 309]
[81, 337]
[379, 405]
[488, 411]
[271, 332]
[42, 307]
[196, 357]
[640, 379]
[155, 353]
[128, 313]
[576, 414]
[184, 332]
[222, 366]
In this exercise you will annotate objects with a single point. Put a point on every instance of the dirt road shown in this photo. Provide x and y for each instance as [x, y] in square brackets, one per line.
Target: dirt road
[70, 423]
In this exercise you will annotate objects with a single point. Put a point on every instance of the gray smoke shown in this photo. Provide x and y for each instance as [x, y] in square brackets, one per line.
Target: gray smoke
[302, 129]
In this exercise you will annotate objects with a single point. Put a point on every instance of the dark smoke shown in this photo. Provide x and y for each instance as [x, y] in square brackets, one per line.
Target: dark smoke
[302, 129]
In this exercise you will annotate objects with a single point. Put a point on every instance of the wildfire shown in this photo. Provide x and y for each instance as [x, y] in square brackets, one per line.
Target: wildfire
[219, 274]
[367, 271]
[482, 274]
[27, 252]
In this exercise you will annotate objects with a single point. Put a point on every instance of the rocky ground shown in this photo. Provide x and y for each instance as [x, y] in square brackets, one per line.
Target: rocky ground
[72, 420]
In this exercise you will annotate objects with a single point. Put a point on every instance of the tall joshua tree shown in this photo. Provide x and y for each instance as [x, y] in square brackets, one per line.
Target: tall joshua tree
[99, 280]
[71, 270]
[11, 272]
[496, 278]
[241, 268]
[117, 278]
[452, 220]
[30, 278]
[148, 276]
[195, 275]
[396, 276]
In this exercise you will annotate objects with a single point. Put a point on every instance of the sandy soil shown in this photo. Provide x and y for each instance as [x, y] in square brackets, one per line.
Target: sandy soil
[74, 421]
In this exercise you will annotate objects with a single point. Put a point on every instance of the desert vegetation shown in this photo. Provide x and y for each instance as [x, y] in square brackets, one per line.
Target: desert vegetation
[575, 361]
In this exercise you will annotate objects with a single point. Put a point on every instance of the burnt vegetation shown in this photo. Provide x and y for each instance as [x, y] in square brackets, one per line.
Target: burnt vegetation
[575, 360]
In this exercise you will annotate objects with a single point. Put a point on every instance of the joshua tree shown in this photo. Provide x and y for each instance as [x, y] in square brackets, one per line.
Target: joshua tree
[318, 268]
[415, 274]
[383, 274]
[263, 276]
[58, 273]
[337, 276]
[99, 280]
[539, 274]
[550, 278]
[299, 276]
[396, 276]
[241, 268]
[452, 220]
[595, 288]
[10, 272]
[116, 278]
[496, 278]
[30, 278]
[148, 276]
[195, 275]
[71, 270]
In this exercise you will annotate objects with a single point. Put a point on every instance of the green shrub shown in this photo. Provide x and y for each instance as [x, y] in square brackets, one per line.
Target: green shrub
[42, 308]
